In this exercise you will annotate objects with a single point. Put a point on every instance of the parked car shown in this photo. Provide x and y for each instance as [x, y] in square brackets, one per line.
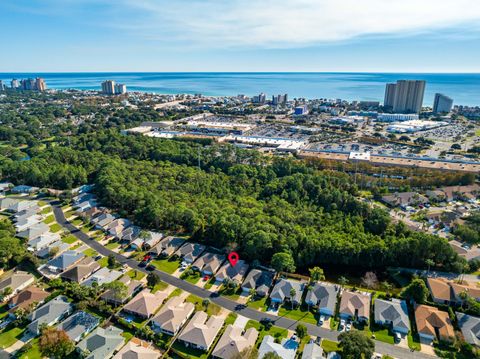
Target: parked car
[341, 326]
[397, 337]
[321, 320]
[348, 327]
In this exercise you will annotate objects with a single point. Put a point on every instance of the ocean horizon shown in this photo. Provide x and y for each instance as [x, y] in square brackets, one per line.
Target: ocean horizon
[464, 88]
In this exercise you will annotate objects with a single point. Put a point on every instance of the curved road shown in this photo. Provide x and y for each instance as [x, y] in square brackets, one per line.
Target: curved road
[226, 303]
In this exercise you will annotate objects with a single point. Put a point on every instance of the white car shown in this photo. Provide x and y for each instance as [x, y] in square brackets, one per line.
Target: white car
[341, 325]
[348, 327]
[321, 320]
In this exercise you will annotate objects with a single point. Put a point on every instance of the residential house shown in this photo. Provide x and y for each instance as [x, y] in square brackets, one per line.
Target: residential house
[433, 324]
[79, 272]
[151, 240]
[324, 296]
[43, 241]
[16, 281]
[404, 199]
[24, 223]
[167, 246]
[102, 343]
[27, 298]
[20, 206]
[470, 327]
[137, 349]
[64, 261]
[49, 314]
[7, 203]
[284, 350]
[102, 276]
[34, 231]
[5, 187]
[283, 290]
[90, 212]
[260, 280]
[449, 292]
[234, 341]
[79, 325]
[133, 287]
[24, 189]
[235, 273]
[28, 212]
[436, 195]
[355, 306]
[190, 252]
[130, 234]
[173, 315]
[56, 248]
[393, 314]
[447, 218]
[102, 220]
[145, 303]
[208, 263]
[201, 330]
[116, 227]
[453, 193]
[312, 350]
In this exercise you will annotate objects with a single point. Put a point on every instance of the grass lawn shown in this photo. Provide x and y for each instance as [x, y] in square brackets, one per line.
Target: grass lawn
[90, 252]
[231, 317]
[384, 336]
[329, 346]
[55, 228]
[229, 294]
[103, 262]
[413, 343]
[299, 314]
[160, 286]
[193, 279]
[112, 245]
[135, 274]
[166, 265]
[42, 203]
[258, 304]
[77, 222]
[212, 309]
[127, 336]
[188, 353]
[70, 239]
[176, 292]
[9, 337]
[49, 219]
[33, 352]
[209, 283]
[46, 210]
[276, 332]
[4, 310]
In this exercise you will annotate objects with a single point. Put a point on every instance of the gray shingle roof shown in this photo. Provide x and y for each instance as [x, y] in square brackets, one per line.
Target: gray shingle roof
[283, 287]
[48, 313]
[78, 324]
[324, 295]
[259, 279]
[102, 343]
[394, 311]
[470, 327]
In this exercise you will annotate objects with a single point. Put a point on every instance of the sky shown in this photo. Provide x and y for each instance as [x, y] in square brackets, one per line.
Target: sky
[240, 35]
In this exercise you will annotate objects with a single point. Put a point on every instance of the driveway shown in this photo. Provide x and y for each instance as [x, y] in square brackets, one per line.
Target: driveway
[226, 303]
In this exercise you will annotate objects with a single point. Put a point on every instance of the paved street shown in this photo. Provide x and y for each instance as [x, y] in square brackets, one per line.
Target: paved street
[226, 303]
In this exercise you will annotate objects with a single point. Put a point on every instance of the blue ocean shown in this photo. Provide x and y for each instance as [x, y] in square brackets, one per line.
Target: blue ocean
[463, 88]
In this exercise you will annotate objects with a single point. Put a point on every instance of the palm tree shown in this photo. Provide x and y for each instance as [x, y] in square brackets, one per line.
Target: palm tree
[429, 262]
[252, 292]
[342, 281]
[293, 292]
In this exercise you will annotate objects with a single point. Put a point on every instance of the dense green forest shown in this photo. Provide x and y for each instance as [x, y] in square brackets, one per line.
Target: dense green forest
[236, 199]
[307, 210]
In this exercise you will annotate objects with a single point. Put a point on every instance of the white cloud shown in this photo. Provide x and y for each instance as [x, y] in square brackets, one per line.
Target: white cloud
[290, 23]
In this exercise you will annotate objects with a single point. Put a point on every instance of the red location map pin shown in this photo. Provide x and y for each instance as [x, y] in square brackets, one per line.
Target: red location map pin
[233, 258]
